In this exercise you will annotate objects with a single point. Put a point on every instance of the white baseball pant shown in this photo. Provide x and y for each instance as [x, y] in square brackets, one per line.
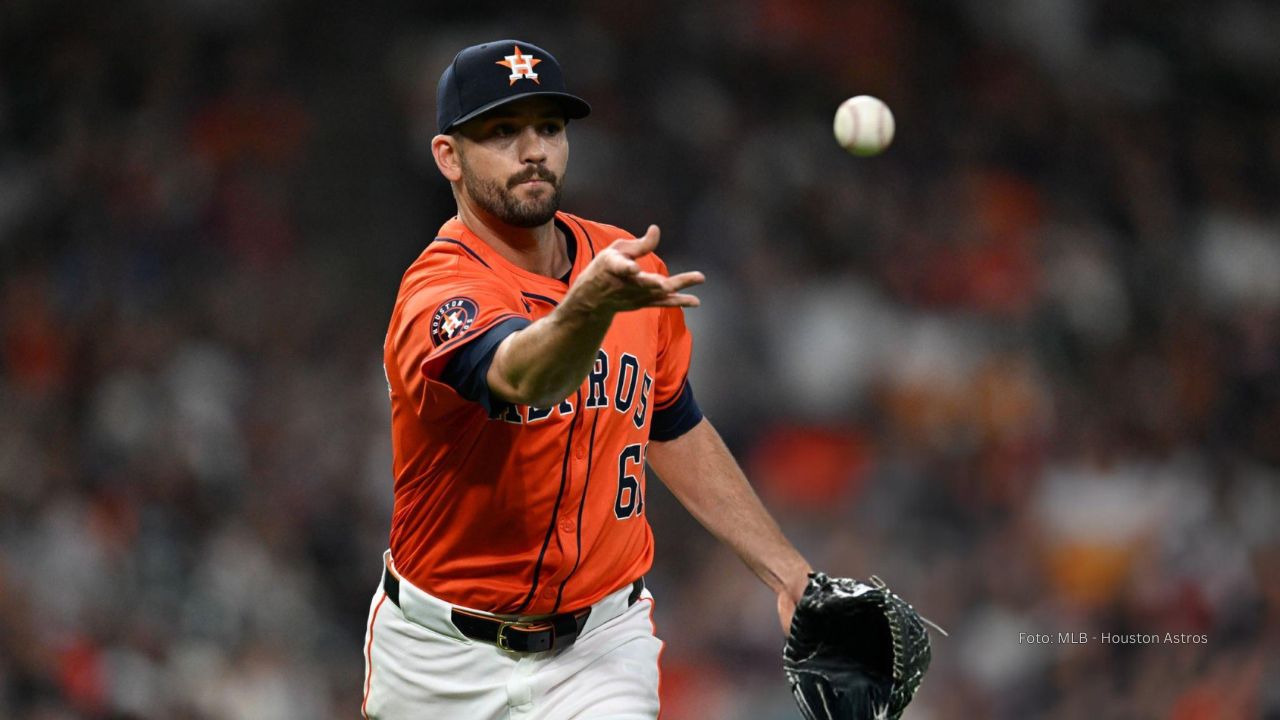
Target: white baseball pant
[418, 666]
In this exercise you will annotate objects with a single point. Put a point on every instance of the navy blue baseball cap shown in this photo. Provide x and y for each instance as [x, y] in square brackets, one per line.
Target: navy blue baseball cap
[482, 77]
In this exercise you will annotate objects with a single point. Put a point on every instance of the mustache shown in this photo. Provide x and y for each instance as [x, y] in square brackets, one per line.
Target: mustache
[533, 172]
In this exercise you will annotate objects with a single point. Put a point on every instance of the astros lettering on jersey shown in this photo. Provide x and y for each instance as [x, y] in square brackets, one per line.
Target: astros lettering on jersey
[522, 510]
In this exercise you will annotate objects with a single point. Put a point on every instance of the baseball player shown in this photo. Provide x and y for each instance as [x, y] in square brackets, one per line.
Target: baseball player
[536, 361]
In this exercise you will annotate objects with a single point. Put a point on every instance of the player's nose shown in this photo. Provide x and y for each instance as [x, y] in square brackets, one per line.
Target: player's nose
[533, 145]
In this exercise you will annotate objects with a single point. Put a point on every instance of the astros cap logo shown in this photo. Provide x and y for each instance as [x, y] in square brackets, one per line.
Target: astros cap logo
[521, 66]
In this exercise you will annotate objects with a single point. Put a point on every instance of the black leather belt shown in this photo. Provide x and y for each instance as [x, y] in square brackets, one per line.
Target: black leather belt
[557, 631]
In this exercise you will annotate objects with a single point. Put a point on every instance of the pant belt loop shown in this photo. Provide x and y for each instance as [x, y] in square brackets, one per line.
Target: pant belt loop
[391, 586]
[637, 588]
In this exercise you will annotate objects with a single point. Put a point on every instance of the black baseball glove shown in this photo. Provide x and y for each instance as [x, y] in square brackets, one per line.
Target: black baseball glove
[855, 651]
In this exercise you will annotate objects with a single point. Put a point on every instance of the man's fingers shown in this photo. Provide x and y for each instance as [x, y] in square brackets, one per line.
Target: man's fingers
[674, 283]
[685, 279]
[622, 266]
[677, 300]
[650, 280]
[636, 288]
[641, 246]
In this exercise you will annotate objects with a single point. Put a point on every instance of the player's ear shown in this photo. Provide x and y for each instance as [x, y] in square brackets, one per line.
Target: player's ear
[444, 148]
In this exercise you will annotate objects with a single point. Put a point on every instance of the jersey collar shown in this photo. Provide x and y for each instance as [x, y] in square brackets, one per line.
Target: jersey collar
[457, 230]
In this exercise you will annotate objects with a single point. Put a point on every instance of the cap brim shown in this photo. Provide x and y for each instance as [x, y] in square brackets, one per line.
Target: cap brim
[575, 107]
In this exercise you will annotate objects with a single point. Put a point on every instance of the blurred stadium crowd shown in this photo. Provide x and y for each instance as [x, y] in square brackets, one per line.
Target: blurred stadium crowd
[1025, 366]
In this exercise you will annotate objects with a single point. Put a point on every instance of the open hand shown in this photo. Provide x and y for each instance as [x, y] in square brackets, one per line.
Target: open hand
[614, 282]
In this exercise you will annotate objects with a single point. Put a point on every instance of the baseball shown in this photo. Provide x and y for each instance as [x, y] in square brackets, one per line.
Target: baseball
[864, 125]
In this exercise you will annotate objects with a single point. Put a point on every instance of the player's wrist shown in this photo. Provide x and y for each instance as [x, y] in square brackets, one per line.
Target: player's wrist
[790, 579]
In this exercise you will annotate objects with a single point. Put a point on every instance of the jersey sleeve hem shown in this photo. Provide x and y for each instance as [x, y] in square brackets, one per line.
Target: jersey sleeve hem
[677, 417]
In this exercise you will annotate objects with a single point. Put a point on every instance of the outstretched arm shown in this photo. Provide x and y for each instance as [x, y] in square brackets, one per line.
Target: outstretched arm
[545, 362]
[704, 477]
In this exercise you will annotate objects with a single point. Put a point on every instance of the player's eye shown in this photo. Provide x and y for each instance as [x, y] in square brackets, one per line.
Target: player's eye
[552, 128]
[503, 130]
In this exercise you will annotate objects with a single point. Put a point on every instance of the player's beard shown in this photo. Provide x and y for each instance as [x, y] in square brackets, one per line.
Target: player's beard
[502, 202]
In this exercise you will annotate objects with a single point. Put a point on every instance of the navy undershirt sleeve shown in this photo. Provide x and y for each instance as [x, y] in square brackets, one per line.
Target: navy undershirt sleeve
[467, 371]
[677, 418]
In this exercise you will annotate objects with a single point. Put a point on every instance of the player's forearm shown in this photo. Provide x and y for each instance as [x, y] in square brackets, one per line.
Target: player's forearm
[705, 478]
[545, 362]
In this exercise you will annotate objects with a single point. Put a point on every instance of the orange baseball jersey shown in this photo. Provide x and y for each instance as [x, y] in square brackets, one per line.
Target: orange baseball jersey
[516, 509]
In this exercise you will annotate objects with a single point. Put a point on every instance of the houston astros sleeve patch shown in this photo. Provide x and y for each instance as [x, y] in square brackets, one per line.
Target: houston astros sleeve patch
[452, 319]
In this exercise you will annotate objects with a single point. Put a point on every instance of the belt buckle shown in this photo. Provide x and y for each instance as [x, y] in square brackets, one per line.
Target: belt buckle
[501, 640]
